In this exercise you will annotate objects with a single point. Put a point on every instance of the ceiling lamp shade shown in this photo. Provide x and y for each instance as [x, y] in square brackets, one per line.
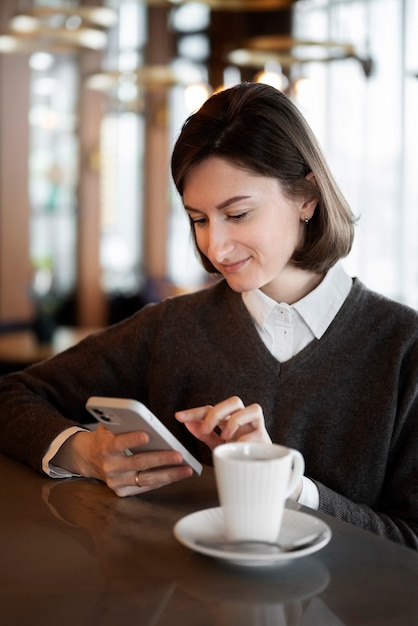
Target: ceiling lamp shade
[60, 41]
[60, 29]
[101, 17]
[287, 51]
[147, 76]
[231, 5]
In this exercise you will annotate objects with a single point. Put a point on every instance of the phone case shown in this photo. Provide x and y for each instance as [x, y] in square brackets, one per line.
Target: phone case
[122, 415]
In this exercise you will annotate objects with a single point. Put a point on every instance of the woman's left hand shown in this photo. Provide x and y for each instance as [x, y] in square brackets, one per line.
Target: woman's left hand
[227, 421]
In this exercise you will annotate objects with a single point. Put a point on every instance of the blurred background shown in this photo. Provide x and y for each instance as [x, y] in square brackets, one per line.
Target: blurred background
[93, 95]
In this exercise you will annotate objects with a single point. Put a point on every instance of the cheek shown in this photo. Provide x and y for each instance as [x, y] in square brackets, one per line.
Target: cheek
[200, 240]
[289, 231]
[280, 242]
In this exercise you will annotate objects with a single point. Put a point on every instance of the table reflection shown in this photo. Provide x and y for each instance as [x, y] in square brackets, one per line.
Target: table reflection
[72, 552]
[138, 561]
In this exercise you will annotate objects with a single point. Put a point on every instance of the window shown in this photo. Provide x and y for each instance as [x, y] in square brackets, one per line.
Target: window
[53, 168]
[369, 131]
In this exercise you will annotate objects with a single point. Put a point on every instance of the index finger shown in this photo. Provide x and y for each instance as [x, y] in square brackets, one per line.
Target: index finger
[124, 442]
[196, 414]
[221, 412]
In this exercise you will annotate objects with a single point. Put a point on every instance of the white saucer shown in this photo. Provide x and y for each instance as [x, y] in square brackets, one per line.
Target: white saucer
[208, 524]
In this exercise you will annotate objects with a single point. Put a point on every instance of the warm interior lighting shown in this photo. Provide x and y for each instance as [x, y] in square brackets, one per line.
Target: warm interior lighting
[273, 77]
[101, 17]
[195, 95]
[59, 41]
[58, 29]
[8, 44]
[287, 51]
[148, 76]
[304, 90]
[231, 5]
[23, 24]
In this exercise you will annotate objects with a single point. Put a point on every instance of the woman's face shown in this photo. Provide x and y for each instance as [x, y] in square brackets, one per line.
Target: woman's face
[248, 228]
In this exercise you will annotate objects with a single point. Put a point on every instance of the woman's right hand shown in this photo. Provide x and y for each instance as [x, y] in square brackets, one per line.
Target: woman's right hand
[102, 455]
[229, 420]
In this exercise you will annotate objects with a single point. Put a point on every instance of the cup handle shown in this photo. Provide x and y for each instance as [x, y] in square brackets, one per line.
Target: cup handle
[297, 471]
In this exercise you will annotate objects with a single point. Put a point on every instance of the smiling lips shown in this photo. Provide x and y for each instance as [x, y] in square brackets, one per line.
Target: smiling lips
[233, 268]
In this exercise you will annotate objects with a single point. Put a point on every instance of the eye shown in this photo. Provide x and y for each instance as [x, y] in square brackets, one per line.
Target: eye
[237, 218]
[198, 221]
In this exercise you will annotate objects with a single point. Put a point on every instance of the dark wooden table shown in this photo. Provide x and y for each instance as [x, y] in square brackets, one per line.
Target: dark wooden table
[72, 553]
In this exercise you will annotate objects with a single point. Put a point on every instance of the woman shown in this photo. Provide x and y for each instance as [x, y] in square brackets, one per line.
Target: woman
[286, 348]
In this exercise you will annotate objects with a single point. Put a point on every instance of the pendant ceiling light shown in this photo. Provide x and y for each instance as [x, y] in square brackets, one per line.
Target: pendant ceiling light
[285, 50]
[230, 5]
[147, 76]
[58, 29]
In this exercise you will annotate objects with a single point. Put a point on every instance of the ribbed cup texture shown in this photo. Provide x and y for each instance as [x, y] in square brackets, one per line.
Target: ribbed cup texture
[252, 495]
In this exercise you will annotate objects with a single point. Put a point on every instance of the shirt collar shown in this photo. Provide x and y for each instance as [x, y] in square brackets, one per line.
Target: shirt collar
[317, 309]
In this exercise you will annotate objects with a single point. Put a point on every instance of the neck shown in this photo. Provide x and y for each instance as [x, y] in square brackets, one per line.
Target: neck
[293, 286]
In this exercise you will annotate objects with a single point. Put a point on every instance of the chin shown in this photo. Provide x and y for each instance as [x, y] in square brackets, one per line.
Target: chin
[241, 286]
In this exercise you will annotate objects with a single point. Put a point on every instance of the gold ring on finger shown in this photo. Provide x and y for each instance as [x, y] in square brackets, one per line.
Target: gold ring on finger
[137, 483]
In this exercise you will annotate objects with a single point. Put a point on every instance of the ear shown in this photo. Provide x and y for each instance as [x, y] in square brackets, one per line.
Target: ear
[310, 203]
[311, 178]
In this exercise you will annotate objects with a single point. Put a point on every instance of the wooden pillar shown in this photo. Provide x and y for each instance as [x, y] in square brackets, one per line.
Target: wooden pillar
[15, 268]
[156, 200]
[157, 154]
[91, 303]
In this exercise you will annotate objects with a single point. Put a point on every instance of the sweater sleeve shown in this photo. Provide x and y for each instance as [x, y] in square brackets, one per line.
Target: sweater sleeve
[349, 403]
[394, 511]
[394, 527]
[38, 403]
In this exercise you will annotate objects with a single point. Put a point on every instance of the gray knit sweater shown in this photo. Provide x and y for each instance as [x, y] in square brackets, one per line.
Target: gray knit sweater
[348, 402]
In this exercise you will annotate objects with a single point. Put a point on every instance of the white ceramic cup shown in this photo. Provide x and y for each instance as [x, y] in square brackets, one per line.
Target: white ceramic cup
[253, 482]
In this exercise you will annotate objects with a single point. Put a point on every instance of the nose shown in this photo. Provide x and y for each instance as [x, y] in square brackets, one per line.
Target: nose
[219, 243]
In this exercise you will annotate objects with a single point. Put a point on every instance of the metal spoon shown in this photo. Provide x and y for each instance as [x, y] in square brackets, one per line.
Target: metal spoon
[250, 545]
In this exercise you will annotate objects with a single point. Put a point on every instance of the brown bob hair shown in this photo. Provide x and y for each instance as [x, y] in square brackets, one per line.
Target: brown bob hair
[258, 128]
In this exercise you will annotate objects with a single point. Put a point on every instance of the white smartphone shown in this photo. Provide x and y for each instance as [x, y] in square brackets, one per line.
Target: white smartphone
[123, 415]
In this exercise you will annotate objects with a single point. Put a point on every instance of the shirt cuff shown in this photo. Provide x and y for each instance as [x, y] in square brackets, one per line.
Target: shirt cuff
[49, 468]
[310, 494]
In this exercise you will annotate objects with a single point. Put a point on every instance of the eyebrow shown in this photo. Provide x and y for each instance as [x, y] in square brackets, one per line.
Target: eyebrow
[223, 205]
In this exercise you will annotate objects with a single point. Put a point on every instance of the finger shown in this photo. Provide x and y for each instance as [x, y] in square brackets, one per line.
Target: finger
[153, 460]
[254, 435]
[112, 444]
[196, 414]
[221, 413]
[153, 479]
[130, 441]
[251, 416]
[211, 440]
[119, 470]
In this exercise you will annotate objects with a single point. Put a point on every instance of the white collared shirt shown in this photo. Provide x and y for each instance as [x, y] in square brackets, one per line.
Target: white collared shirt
[287, 329]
